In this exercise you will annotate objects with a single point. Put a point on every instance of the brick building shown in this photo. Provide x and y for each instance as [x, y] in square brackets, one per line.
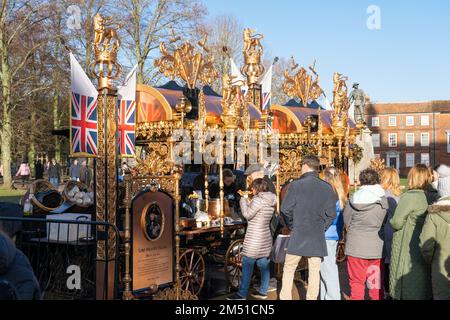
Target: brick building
[408, 133]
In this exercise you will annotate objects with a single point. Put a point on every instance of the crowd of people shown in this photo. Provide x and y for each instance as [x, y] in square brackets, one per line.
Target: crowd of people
[397, 243]
[77, 171]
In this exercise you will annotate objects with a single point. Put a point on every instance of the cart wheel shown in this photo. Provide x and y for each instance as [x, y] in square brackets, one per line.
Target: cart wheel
[340, 252]
[233, 264]
[192, 271]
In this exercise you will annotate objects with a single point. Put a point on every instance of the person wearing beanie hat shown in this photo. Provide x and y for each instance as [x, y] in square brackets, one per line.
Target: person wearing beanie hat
[435, 238]
[444, 181]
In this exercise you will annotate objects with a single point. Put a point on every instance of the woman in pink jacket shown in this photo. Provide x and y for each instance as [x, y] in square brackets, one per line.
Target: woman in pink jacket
[24, 172]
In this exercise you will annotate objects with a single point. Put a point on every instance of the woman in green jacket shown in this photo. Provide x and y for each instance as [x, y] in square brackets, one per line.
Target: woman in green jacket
[435, 238]
[410, 277]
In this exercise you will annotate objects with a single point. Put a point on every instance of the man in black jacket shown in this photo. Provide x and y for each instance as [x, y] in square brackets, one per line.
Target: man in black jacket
[309, 208]
[54, 173]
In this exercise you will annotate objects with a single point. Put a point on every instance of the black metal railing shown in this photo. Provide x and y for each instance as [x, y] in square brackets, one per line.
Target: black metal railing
[72, 259]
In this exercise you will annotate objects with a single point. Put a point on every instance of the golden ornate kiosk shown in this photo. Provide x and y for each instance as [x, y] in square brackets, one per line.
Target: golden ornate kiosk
[176, 124]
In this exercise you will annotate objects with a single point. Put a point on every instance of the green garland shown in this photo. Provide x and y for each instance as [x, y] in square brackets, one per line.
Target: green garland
[356, 153]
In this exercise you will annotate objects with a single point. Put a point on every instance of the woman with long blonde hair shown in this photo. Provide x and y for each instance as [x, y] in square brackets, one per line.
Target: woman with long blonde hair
[390, 181]
[329, 274]
[410, 275]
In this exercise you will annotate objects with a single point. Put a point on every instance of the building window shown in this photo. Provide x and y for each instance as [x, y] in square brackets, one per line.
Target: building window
[375, 122]
[392, 140]
[410, 160]
[377, 156]
[425, 139]
[376, 140]
[425, 120]
[448, 142]
[392, 121]
[410, 121]
[410, 140]
[425, 159]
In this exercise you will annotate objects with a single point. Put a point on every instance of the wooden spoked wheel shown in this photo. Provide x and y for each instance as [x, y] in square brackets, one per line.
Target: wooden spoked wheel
[192, 271]
[233, 264]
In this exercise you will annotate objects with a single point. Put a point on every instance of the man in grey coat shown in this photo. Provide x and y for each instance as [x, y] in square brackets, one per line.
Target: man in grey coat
[309, 209]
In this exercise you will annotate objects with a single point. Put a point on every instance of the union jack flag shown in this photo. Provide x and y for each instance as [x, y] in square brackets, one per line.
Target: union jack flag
[127, 123]
[84, 124]
[265, 103]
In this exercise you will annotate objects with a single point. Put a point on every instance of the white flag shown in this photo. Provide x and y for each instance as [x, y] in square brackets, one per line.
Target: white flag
[237, 76]
[266, 88]
[325, 103]
[128, 90]
[80, 82]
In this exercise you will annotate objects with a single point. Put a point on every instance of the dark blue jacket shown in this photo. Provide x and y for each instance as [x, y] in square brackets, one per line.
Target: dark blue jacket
[16, 270]
[309, 209]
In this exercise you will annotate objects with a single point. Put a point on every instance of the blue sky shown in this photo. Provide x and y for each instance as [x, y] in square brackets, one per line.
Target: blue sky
[408, 59]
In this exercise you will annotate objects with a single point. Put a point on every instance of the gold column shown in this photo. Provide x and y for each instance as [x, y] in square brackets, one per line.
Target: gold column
[221, 186]
[105, 68]
[177, 178]
[127, 294]
[278, 192]
[106, 189]
[206, 188]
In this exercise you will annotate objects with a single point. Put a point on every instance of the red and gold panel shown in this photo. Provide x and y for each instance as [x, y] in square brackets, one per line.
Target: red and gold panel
[151, 105]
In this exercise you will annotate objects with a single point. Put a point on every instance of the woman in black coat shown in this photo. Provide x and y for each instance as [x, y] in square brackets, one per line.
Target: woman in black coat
[39, 170]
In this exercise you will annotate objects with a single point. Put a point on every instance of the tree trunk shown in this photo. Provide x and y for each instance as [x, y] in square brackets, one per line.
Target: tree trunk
[32, 157]
[32, 151]
[6, 150]
[6, 131]
[56, 124]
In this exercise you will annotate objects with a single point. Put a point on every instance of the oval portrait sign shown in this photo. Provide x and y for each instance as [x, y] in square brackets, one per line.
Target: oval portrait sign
[152, 222]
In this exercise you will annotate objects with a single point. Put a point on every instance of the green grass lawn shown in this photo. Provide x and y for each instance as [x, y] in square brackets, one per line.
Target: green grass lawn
[404, 182]
[11, 195]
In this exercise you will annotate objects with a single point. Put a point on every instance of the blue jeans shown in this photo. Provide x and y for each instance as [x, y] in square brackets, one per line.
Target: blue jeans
[247, 272]
[54, 182]
[329, 274]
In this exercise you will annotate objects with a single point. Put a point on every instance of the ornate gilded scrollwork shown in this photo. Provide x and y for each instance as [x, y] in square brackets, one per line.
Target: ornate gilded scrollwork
[171, 294]
[378, 165]
[156, 130]
[302, 84]
[232, 102]
[158, 161]
[187, 63]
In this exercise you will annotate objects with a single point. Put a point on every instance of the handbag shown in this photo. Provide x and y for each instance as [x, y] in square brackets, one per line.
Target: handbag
[279, 248]
[277, 223]
[274, 225]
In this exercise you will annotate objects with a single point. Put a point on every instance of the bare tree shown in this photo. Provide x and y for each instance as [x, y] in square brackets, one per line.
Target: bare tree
[20, 37]
[149, 22]
[225, 39]
[278, 95]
